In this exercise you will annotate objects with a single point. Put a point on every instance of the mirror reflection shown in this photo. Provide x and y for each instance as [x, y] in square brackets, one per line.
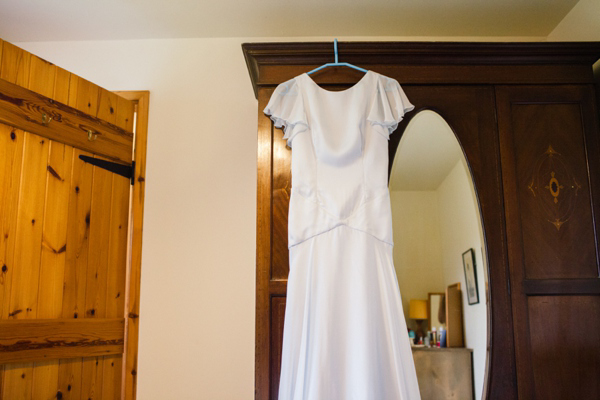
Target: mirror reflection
[439, 256]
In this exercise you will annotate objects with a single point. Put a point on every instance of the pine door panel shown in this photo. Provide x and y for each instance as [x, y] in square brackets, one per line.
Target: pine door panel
[63, 239]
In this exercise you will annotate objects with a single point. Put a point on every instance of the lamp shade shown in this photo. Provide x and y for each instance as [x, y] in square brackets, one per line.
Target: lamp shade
[418, 309]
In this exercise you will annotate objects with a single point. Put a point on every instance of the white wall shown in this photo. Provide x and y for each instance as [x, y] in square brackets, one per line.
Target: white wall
[582, 23]
[417, 246]
[460, 230]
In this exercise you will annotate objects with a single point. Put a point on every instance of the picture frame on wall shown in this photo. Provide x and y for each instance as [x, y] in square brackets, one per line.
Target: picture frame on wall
[470, 276]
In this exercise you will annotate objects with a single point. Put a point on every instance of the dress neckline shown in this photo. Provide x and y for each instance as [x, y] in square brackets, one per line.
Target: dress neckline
[361, 81]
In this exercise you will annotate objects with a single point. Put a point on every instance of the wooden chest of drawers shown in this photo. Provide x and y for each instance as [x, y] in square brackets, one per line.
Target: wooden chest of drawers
[444, 373]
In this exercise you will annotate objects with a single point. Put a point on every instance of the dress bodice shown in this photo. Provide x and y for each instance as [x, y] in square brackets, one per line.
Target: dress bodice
[339, 176]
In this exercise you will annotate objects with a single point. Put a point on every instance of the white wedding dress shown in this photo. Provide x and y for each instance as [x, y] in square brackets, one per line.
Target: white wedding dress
[345, 336]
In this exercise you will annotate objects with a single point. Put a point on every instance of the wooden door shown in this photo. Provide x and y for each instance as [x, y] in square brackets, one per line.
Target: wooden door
[551, 175]
[64, 232]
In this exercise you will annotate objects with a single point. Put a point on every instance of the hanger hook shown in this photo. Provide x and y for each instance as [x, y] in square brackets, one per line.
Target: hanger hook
[335, 50]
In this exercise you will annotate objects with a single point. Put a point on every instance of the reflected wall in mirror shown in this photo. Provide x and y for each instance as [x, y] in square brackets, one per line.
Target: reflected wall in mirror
[436, 219]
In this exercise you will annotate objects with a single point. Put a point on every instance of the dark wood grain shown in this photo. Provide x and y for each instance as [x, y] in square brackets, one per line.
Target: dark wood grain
[282, 183]
[533, 118]
[565, 346]
[561, 286]
[550, 157]
[427, 62]
[277, 323]
[462, 82]
[263, 249]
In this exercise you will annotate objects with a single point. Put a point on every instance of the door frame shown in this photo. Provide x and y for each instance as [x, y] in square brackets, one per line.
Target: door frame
[141, 101]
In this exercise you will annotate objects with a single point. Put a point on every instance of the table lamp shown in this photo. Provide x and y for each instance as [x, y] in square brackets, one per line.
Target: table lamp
[418, 312]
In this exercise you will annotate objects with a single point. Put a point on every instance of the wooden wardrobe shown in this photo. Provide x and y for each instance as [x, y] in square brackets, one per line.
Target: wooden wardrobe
[526, 116]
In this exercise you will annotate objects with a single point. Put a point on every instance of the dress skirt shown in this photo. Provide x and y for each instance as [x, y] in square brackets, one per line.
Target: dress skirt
[345, 337]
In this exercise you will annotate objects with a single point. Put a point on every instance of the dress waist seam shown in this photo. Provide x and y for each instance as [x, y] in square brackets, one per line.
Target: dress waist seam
[366, 200]
[338, 226]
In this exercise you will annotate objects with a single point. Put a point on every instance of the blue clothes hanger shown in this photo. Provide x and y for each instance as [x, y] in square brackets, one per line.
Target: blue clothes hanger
[336, 63]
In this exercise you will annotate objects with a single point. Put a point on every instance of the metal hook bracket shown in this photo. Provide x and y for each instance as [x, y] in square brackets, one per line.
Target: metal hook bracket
[91, 135]
[45, 119]
[126, 170]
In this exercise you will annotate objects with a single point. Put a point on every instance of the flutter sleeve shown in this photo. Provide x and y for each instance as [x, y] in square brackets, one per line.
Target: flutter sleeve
[389, 106]
[286, 109]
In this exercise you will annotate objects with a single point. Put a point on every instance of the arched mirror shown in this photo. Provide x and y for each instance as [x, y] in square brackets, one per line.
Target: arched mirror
[439, 256]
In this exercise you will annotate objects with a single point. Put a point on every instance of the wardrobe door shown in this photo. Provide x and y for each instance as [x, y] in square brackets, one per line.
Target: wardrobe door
[551, 175]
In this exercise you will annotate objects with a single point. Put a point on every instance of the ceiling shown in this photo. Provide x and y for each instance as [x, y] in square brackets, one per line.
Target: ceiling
[426, 154]
[60, 20]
